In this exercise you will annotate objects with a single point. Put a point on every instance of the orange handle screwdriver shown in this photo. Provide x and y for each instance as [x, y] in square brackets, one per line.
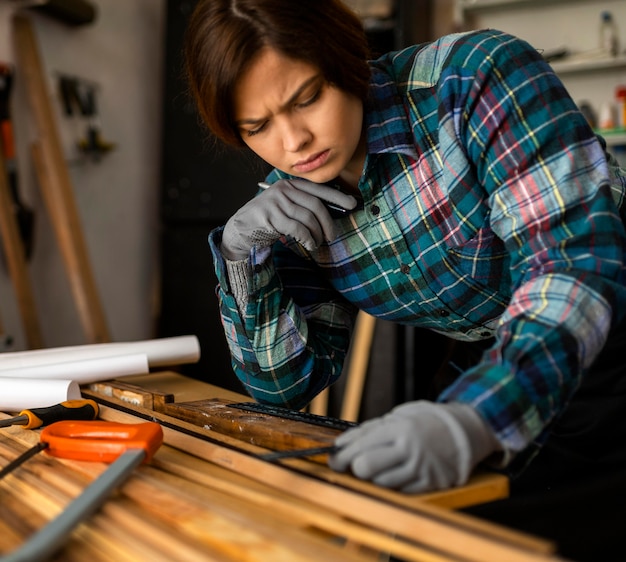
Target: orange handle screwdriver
[68, 410]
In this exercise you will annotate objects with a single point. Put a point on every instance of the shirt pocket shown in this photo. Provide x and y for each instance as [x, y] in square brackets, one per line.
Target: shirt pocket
[482, 256]
[480, 266]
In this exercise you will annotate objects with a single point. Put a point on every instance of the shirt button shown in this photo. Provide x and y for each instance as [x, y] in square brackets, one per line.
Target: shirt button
[375, 210]
[257, 268]
[443, 313]
[404, 268]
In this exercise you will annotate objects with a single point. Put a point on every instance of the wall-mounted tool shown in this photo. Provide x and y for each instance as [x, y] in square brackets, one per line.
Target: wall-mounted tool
[79, 97]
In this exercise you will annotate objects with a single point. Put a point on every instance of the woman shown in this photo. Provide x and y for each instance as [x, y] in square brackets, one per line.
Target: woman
[480, 205]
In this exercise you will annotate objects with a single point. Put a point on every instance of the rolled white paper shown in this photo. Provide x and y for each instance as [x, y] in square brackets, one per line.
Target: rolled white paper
[160, 352]
[85, 371]
[19, 394]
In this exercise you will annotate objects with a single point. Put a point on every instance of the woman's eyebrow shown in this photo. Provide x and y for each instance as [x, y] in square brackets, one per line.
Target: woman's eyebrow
[290, 101]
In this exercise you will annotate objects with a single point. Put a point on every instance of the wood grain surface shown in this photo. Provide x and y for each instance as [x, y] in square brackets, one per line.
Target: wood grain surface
[207, 495]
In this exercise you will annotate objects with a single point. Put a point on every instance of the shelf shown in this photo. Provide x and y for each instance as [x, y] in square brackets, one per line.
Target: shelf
[479, 5]
[589, 65]
[377, 25]
[613, 137]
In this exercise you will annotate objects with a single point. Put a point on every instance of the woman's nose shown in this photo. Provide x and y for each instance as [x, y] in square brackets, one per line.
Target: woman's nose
[295, 136]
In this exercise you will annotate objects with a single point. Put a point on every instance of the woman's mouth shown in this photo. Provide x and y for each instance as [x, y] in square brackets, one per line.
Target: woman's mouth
[312, 163]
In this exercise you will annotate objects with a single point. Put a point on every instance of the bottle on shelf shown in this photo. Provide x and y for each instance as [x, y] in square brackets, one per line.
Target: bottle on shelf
[606, 119]
[620, 97]
[609, 41]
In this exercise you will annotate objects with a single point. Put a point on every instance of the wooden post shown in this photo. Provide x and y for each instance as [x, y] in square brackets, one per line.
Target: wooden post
[16, 261]
[54, 181]
[356, 374]
[319, 404]
[357, 369]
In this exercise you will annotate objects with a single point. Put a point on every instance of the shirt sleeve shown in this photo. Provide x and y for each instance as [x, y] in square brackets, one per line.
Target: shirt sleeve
[546, 183]
[291, 340]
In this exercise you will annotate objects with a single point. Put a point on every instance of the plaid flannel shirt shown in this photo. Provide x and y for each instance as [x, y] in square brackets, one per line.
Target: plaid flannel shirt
[489, 210]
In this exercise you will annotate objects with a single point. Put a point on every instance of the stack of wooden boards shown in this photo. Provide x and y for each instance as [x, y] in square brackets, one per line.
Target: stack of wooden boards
[207, 496]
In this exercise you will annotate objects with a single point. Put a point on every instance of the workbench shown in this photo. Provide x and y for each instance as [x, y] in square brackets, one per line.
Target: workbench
[207, 495]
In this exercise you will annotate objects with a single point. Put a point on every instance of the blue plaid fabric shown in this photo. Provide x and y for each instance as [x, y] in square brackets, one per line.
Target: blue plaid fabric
[490, 209]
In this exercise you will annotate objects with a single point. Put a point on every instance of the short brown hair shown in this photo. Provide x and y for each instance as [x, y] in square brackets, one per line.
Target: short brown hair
[224, 36]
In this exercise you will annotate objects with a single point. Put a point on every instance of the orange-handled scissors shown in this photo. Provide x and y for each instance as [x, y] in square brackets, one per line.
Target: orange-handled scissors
[125, 445]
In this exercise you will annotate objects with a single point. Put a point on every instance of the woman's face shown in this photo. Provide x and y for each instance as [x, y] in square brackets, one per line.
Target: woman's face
[294, 120]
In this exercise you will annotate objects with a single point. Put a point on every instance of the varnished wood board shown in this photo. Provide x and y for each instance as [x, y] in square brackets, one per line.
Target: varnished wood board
[455, 534]
[264, 430]
[156, 515]
[481, 487]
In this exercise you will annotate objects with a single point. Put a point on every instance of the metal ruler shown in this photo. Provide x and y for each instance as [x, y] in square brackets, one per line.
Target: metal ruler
[295, 415]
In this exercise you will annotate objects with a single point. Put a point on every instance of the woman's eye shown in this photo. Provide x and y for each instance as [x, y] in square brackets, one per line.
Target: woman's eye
[252, 132]
[311, 100]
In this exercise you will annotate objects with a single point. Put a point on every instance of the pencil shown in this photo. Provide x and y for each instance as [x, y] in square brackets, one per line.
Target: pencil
[334, 210]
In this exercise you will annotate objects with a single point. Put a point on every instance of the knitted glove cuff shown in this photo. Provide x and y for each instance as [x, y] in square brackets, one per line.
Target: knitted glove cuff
[239, 275]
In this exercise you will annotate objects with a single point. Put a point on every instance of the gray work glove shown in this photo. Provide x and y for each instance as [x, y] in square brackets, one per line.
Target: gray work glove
[292, 208]
[417, 447]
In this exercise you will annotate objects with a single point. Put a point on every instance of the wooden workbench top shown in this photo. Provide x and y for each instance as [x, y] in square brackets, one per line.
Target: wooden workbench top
[183, 388]
[209, 497]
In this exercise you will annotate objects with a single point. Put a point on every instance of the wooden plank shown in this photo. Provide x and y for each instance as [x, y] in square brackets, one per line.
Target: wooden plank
[286, 502]
[217, 415]
[133, 394]
[184, 389]
[191, 509]
[449, 533]
[230, 494]
[54, 181]
[257, 428]
[293, 509]
[139, 535]
[357, 368]
[481, 487]
[20, 518]
[15, 257]
[161, 516]
[49, 501]
[173, 508]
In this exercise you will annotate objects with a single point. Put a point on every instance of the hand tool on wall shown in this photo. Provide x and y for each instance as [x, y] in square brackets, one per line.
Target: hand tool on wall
[80, 94]
[93, 143]
[24, 215]
[85, 409]
[126, 446]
